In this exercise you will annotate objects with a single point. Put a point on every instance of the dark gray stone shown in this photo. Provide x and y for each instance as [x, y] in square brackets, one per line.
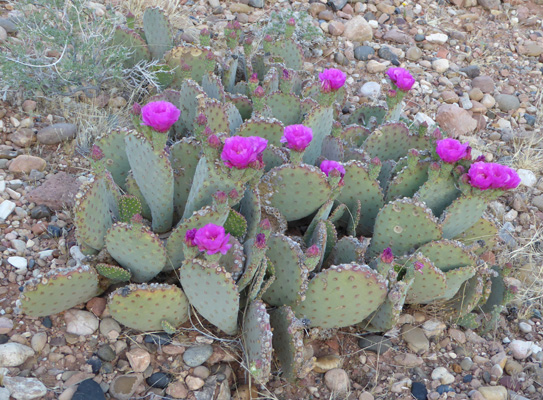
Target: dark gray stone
[419, 391]
[363, 53]
[377, 344]
[386, 54]
[337, 5]
[472, 71]
[8, 25]
[41, 211]
[419, 37]
[197, 355]
[89, 390]
[106, 353]
[159, 380]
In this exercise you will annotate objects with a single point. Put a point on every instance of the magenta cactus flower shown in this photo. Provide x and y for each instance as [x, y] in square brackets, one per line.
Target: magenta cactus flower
[291, 21]
[212, 239]
[332, 79]
[328, 166]
[189, 237]
[239, 151]
[402, 78]
[451, 150]
[480, 175]
[387, 256]
[503, 177]
[297, 137]
[419, 266]
[160, 115]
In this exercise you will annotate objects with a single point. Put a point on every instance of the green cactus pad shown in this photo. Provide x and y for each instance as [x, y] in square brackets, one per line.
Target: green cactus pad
[152, 169]
[407, 181]
[466, 298]
[274, 157]
[270, 83]
[267, 128]
[291, 277]
[212, 85]
[253, 263]
[455, 278]
[368, 116]
[290, 51]
[250, 208]
[386, 173]
[235, 224]
[157, 32]
[136, 248]
[285, 107]
[498, 291]
[332, 149]
[468, 321]
[462, 214]
[234, 260]
[243, 104]
[320, 120]
[217, 120]
[387, 315]
[338, 212]
[354, 135]
[321, 215]
[208, 179]
[113, 272]
[257, 341]
[392, 141]
[348, 249]
[189, 94]
[234, 118]
[257, 282]
[184, 157]
[133, 189]
[115, 159]
[174, 244]
[95, 209]
[483, 234]
[296, 191]
[58, 290]
[319, 238]
[448, 254]
[212, 291]
[128, 207]
[430, 283]
[229, 74]
[145, 306]
[342, 295]
[402, 225]
[288, 341]
[128, 38]
[331, 238]
[439, 191]
[360, 186]
[168, 328]
[193, 56]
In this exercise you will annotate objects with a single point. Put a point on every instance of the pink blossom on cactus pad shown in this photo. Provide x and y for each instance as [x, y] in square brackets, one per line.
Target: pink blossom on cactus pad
[212, 239]
[387, 256]
[328, 165]
[312, 251]
[332, 79]
[419, 266]
[503, 177]
[160, 115]
[239, 151]
[297, 137]
[189, 237]
[451, 150]
[480, 175]
[401, 78]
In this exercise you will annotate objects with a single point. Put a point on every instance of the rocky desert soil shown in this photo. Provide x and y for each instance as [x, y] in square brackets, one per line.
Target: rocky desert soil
[479, 67]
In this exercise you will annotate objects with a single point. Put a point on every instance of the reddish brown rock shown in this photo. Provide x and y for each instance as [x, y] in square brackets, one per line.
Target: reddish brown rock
[455, 120]
[23, 164]
[57, 192]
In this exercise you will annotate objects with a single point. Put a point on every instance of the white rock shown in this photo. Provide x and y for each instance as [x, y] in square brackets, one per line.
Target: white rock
[440, 65]
[20, 263]
[79, 322]
[503, 124]
[433, 327]
[38, 341]
[76, 254]
[46, 253]
[6, 325]
[25, 388]
[373, 23]
[14, 354]
[421, 118]
[437, 38]
[444, 376]
[371, 90]
[521, 349]
[6, 208]
[527, 177]
[4, 394]
[2, 186]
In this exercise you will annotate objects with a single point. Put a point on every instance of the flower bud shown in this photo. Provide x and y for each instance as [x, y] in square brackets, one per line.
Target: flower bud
[189, 237]
[185, 67]
[387, 256]
[437, 134]
[204, 32]
[210, 56]
[208, 131]
[375, 161]
[291, 21]
[234, 195]
[249, 41]
[312, 251]
[201, 119]
[214, 141]
[268, 39]
[96, 153]
[254, 78]
[220, 197]
[136, 109]
[265, 224]
[137, 219]
[435, 166]
[233, 35]
[260, 241]
[419, 266]
[229, 25]
[259, 92]
[237, 25]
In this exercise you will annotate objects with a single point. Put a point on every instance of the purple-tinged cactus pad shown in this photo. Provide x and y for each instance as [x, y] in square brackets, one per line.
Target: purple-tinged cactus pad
[402, 225]
[257, 338]
[58, 290]
[212, 291]
[189, 94]
[146, 306]
[466, 298]
[342, 295]
[448, 254]
[290, 273]
[234, 260]
[290, 51]
[430, 282]
[439, 192]
[250, 209]
[288, 342]
[193, 56]
[296, 191]
[137, 249]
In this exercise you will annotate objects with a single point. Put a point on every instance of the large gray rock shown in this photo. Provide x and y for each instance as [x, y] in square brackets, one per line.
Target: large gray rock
[24, 388]
[56, 133]
[14, 354]
[256, 3]
[8, 25]
[358, 30]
